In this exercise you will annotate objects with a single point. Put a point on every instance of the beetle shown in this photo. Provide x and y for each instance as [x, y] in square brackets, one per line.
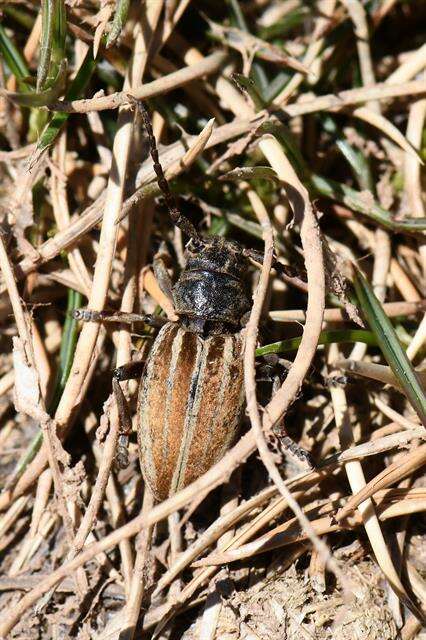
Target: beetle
[191, 391]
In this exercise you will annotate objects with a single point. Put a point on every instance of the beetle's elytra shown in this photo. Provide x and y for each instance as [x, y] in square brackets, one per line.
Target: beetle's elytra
[189, 405]
[191, 395]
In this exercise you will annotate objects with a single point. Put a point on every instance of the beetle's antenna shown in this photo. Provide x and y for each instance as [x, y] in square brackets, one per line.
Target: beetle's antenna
[177, 218]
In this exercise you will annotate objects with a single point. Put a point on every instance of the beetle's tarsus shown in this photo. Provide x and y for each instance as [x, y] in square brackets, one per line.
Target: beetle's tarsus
[125, 421]
[86, 315]
[122, 455]
[297, 451]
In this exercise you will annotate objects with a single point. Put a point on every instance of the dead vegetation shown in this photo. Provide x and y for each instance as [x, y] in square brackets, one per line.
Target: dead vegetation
[294, 128]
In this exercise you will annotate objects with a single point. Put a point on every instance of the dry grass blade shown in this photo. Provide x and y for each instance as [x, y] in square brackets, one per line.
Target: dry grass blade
[389, 506]
[409, 463]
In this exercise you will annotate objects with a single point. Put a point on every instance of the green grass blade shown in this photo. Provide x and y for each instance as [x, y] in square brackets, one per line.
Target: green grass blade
[390, 345]
[239, 21]
[338, 191]
[355, 158]
[59, 33]
[68, 342]
[13, 59]
[18, 15]
[355, 200]
[47, 25]
[326, 337]
[250, 173]
[75, 91]
[120, 17]
[43, 97]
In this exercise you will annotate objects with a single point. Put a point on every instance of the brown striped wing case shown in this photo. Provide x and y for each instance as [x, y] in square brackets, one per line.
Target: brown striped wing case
[189, 406]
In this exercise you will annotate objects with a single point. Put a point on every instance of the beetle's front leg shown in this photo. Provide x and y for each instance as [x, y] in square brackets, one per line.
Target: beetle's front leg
[89, 315]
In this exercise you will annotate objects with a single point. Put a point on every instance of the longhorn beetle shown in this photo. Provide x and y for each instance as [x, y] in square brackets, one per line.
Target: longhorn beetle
[191, 392]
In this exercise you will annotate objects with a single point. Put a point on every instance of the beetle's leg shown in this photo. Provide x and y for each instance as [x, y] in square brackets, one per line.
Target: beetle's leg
[295, 449]
[287, 443]
[177, 217]
[122, 455]
[128, 371]
[286, 272]
[88, 315]
[160, 271]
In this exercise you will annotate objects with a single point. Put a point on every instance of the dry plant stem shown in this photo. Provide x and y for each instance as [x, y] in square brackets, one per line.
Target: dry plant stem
[151, 286]
[402, 282]
[21, 319]
[390, 504]
[44, 486]
[382, 258]
[33, 40]
[410, 68]
[392, 310]
[89, 333]
[312, 247]
[358, 16]
[405, 465]
[123, 624]
[41, 357]
[61, 212]
[36, 467]
[50, 442]
[137, 587]
[215, 476]
[382, 249]
[212, 608]
[239, 538]
[12, 514]
[77, 229]
[325, 12]
[98, 491]
[395, 416]
[382, 444]
[413, 192]
[117, 519]
[211, 64]
[357, 482]
[211, 535]
[411, 628]
[249, 368]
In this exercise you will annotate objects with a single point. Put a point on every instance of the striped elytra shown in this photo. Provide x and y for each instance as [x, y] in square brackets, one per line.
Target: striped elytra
[189, 406]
